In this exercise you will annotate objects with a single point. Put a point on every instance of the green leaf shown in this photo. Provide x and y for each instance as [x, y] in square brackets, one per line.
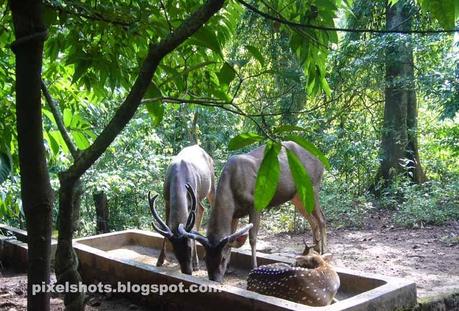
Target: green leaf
[52, 142]
[267, 177]
[59, 139]
[67, 117]
[445, 11]
[156, 111]
[256, 54]
[153, 91]
[206, 37]
[302, 180]
[80, 140]
[49, 16]
[155, 108]
[226, 74]
[325, 87]
[5, 166]
[49, 115]
[243, 140]
[311, 148]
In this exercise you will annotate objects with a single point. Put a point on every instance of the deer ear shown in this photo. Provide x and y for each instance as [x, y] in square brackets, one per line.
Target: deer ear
[239, 241]
[328, 257]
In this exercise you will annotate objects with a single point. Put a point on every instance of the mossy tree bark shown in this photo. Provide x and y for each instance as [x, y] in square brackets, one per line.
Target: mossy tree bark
[36, 191]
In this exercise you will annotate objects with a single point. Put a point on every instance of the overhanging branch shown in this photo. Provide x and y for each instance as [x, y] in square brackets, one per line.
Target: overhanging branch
[324, 28]
[59, 121]
[127, 109]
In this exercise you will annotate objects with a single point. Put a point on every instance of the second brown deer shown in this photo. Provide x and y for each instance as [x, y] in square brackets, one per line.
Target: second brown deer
[234, 200]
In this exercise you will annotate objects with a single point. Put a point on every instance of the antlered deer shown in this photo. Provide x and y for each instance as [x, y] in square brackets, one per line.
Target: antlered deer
[234, 199]
[312, 280]
[191, 172]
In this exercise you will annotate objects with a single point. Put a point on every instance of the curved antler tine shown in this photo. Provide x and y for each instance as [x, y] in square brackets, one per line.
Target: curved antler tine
[238, 233]
[167, 234]
[190, 221]
[164, 230]
[193, 235]
[305, 243]
[190, 191]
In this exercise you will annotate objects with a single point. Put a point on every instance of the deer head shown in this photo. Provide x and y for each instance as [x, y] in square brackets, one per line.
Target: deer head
[181, 244]
[218, 253]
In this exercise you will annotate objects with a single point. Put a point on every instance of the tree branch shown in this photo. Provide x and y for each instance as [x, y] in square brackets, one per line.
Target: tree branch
[323, 28]
[128, 108]
[59, 121]
[95, 16]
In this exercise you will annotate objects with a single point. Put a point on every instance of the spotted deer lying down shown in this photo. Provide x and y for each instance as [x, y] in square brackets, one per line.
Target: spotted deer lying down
[311, 280]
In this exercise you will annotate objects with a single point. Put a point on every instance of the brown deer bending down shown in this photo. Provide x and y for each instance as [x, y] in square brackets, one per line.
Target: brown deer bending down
[312, 280]
[234, 199]
[191, 172]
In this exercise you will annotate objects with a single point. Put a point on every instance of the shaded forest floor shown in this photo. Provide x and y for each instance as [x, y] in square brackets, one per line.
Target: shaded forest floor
[428, 256]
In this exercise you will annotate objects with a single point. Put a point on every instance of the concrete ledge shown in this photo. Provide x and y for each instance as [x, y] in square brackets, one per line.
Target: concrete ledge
[13, 248]
[363, 291]
[445, 301]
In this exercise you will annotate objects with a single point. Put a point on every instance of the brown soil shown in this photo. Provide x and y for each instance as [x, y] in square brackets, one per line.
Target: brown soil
[428, 256]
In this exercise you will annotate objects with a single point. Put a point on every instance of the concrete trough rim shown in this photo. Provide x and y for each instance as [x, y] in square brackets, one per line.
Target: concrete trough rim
[356, 302]
[352, 303]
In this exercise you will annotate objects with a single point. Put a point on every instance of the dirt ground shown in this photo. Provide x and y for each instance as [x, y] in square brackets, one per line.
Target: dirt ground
[428, 256]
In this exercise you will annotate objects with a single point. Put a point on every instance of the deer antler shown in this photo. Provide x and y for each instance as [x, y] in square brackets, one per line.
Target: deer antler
[164, 230]
[192, 234]
[235, 235]
[192, 215]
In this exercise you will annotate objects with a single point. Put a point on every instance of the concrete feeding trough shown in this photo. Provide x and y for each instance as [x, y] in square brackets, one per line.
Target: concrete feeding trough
[13, 248]
[130, 256]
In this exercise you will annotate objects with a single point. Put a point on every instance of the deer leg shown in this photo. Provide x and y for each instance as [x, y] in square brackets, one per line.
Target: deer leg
[313, 221]
[234, 224]
[162, 254]
[211, 194]
[199, 214]
[254, 218]
[319, 216]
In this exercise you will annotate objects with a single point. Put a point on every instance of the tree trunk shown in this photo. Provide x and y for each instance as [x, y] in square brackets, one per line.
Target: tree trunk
[399, 145]
[36, 191]
[193, 135]
[66, 263]
[102, 212]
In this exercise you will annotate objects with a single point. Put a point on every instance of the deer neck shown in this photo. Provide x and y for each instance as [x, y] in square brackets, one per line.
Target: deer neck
[221, 217]
[178, 200]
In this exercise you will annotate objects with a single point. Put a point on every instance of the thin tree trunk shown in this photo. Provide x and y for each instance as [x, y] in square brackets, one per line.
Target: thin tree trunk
[100, 201]
[193, 134]
[399, 146]
[36, 191]
[66, 263]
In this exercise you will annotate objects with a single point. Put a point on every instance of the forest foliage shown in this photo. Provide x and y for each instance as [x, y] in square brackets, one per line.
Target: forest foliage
[241, 80]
